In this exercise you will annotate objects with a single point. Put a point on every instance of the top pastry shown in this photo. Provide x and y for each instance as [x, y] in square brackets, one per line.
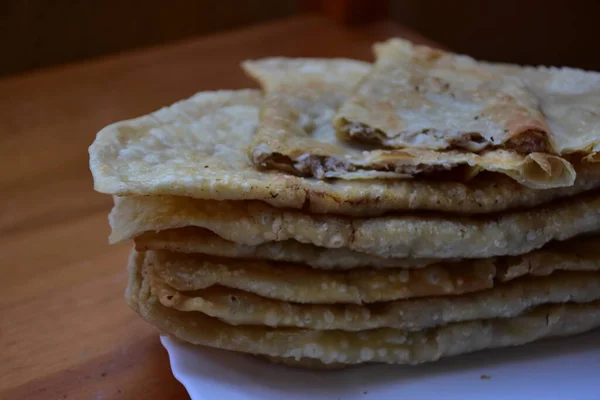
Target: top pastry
[419, 97]
[296, 133]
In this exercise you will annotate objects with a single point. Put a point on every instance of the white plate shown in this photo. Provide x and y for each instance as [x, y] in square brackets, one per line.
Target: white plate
[566, 369]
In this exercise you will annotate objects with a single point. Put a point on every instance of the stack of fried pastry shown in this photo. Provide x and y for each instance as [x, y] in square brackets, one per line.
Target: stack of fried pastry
[423, 206]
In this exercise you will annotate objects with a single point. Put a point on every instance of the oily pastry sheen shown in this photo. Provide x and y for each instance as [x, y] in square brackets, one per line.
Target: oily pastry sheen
[295, 134]
[198, 148]
[384, 345]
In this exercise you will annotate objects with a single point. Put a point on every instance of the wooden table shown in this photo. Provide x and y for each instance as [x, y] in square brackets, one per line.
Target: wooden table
[65, 330]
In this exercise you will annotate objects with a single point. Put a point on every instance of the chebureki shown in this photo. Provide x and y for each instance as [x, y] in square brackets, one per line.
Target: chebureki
[417, 96]
[198, 148]
[238, 307]
[296, 134]
[556, 255]
[299, 284]
[384, 345]
[416, 236]
[569, 100]
[424, 206]
[426, 98]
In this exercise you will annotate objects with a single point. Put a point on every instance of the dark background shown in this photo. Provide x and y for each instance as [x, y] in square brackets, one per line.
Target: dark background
[38, 33]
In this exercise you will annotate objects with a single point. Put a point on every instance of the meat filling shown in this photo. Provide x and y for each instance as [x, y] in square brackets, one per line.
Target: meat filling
[528, 142]
[320, 167]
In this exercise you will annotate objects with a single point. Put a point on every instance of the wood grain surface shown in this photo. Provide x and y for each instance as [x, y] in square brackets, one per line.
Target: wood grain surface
[65, 330]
